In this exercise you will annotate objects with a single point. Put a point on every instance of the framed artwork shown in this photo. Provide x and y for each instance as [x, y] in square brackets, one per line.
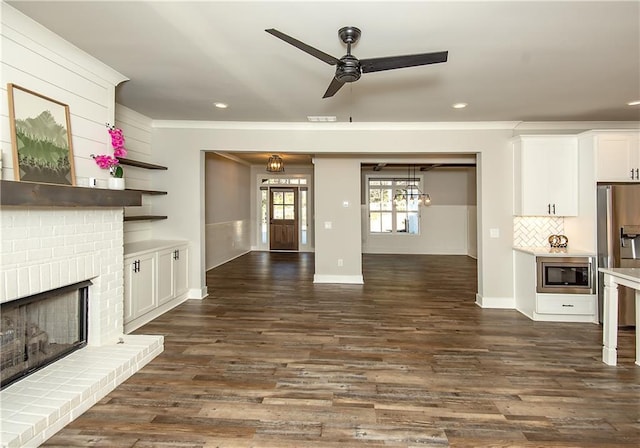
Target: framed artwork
[41, 138]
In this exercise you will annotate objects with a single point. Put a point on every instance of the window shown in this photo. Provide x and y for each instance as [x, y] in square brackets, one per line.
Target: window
[389, 211]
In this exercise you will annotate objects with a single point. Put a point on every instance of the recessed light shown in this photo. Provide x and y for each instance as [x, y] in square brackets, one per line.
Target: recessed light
[633, 103]
[459, 105]
[321, 118]
[221, 105]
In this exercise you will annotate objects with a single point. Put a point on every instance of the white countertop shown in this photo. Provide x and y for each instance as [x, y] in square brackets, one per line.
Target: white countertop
[555, 251]
[140, 247]
[632, 274]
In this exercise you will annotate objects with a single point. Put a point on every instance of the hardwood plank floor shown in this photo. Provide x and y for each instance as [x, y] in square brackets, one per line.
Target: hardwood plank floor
[405, 360]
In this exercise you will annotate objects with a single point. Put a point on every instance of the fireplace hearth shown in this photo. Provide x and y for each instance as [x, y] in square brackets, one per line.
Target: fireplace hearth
[40, 329]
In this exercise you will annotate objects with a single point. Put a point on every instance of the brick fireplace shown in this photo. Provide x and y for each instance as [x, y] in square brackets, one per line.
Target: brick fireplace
[44, 248]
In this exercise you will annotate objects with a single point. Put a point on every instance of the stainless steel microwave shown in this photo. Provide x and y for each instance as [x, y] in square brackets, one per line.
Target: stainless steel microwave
[565, 275]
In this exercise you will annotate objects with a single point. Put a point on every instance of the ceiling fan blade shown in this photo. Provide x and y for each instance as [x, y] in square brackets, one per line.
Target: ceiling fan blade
[393, 62]
[333, 88]
[304, 47]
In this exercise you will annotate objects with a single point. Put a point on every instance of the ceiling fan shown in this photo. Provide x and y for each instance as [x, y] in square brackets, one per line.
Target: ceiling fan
[349, 68]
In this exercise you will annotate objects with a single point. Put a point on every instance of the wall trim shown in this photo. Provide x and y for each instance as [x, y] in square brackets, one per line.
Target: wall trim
[342, 279]
[197, 293]
[508, 303]
[368, 126]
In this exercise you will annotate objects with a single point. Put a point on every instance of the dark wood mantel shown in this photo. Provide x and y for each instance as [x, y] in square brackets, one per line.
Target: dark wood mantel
[30, 194]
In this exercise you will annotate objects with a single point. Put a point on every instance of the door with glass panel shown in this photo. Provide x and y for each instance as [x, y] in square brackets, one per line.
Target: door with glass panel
[283, 225]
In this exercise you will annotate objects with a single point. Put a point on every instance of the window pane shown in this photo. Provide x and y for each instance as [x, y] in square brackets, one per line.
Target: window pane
[289, 212]
[264, 207]
[278, 211]
[402, 224]
[289, 197]
[387, 199]
[303, 216]
[387, 222]
[413, 220]
[375, 222]
[278, 197]
[375, 196]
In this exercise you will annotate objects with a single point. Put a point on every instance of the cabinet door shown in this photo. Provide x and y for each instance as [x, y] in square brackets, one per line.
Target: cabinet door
[165, 276]
[563, 177]
[534, 178]
[139, 286]
[144, 298]
[546, 176]
[181, 271]
[616, 156]
[129, 288]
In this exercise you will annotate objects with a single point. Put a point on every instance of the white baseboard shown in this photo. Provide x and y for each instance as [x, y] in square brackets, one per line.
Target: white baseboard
[197, 293]
[508, 303]
[342, 279]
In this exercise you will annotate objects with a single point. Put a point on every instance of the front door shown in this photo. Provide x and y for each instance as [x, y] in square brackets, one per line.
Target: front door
[283, 227]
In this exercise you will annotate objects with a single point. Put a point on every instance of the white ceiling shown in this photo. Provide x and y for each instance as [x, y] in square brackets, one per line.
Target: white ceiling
[510, 61]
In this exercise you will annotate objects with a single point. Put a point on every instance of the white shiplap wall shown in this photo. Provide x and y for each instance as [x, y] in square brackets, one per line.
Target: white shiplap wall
[37, 59]
[136, 129]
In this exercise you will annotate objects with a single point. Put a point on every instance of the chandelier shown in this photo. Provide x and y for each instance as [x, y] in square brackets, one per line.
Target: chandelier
[412, 194]
[275, 164]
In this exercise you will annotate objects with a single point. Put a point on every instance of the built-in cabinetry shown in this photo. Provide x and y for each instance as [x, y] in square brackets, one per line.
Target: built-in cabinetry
[548, 307]
[147, 166]
[155, 279]
[545, 175]
[617, 156]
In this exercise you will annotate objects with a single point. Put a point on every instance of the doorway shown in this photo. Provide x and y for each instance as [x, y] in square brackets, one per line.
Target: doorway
[283, 224]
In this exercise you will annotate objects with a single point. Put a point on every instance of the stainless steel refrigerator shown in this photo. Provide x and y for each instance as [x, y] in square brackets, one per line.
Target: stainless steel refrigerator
[619, 241]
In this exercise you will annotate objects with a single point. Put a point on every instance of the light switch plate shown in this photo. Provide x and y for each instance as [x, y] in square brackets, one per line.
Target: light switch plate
[328, 224]
[494, 233]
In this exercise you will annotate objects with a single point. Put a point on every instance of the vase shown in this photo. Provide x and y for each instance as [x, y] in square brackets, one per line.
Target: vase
[116, 183]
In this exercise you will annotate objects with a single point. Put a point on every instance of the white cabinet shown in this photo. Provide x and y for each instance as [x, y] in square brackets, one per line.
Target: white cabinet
[546, 175]
[172, 273]
[139, 285]
[617, 156]
[547, 307]
[155, 280]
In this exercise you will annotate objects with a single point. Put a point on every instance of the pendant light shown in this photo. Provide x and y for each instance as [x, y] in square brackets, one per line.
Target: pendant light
[412, 192]
[275, 164]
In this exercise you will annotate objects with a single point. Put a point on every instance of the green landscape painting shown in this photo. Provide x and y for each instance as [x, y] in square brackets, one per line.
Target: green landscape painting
[41, 139]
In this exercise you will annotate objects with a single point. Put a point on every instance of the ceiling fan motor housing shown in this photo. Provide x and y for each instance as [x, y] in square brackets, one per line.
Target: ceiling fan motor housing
[349, 69]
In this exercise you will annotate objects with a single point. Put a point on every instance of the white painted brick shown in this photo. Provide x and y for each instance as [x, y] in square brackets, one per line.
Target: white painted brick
[34, 279]
[15, 233]
[39, 255]
[63, 251]
[23, 282]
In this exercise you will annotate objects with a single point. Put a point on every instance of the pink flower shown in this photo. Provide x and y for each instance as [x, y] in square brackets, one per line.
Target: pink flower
[120, 152]
[111, 162]
[104, 161]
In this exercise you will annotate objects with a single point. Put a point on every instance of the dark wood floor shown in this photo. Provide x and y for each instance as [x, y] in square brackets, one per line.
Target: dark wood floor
[407, 360]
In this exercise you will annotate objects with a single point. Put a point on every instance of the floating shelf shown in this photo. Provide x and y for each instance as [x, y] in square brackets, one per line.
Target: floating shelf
[32, 194]
[137, 163]
[144, 218]
[148, 192]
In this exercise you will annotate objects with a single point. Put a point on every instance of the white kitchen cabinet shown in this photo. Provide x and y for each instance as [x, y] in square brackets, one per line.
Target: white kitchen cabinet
[172, 273]
[617, 156]
[139, 285]
[546, 175]
[155, 280]
[544, 306]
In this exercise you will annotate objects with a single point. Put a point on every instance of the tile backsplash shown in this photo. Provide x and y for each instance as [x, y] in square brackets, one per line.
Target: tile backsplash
[534, 231]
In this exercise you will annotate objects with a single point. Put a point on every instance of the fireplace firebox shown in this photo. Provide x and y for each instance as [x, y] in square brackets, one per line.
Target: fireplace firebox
[40, 329]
